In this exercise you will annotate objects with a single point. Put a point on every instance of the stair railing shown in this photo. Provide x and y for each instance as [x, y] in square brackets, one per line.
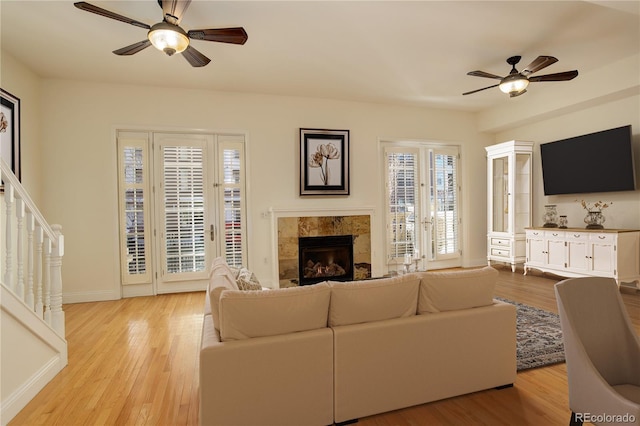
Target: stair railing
[32, 269]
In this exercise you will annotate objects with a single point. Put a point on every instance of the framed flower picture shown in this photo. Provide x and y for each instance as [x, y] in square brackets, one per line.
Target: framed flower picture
[10, 131]
[324, 162]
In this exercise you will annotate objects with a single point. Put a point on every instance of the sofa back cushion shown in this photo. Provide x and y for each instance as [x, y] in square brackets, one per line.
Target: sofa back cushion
[453, 290]
[247, 314]
[373, 300]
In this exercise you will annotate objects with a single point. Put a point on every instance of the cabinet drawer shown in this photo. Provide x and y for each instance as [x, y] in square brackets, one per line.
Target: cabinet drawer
[577, 236]
[505, 252]
[555, 235]
[500, 242]
[602, 237]
[533, 234]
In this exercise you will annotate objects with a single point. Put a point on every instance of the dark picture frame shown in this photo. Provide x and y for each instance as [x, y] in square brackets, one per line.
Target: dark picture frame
[324, 162]
[10, 131]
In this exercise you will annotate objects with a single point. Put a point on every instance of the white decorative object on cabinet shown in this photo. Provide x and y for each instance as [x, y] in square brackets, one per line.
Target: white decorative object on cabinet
[509, 201]
[575, 252]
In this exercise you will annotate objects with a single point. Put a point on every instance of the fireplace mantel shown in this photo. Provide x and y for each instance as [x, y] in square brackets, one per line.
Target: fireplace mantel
[288, 224]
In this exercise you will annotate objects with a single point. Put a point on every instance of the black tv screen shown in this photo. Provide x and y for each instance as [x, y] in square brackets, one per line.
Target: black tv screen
[597, 162]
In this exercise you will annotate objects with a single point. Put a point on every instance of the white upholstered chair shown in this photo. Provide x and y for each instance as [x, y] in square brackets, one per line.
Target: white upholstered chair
[602, 352]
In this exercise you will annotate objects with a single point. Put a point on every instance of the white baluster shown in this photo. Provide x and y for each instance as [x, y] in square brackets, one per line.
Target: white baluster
[8, 200]
[57, 314]
[47, 280]
[39, 260]
[19, 247]
[30, 267]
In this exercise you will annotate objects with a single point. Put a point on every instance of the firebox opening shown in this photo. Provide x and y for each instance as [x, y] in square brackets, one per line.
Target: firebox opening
[325, 258]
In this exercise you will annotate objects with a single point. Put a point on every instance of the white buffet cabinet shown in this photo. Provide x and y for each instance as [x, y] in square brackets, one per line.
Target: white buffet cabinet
[575, 252]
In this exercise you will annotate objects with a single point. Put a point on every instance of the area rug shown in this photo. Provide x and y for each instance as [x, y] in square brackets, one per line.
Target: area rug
[539, 337]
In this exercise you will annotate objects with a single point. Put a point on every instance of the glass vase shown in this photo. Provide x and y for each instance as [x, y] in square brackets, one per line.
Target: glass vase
[594, 219]
[550, 216]
[562, 222]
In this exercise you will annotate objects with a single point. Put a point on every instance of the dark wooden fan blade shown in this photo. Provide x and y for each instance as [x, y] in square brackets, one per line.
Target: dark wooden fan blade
[195, 58]
[173, 10]
[224, 35]
[539, 63]
[484, 74]
[479, 90]
[560, 76]
[134, 48]
[103, 12]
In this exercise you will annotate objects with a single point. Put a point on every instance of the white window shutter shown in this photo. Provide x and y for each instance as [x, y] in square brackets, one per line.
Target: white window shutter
[402, 178]
[232, 200]
[134, 197]
[184, 208]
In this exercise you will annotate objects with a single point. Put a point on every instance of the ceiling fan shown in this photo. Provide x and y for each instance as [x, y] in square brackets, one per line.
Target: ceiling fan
[515, 84]
[167, 35]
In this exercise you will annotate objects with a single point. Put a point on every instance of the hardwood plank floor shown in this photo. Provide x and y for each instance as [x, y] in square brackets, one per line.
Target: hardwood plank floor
[135, 361]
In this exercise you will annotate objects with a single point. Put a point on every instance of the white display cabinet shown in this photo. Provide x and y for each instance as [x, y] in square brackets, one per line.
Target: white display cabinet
[509, 191]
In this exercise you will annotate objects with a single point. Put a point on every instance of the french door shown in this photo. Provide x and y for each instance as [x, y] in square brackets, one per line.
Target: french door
[422, 204]
[196, 210]
[185, 214]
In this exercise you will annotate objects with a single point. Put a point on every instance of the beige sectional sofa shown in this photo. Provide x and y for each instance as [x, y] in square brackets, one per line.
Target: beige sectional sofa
[335, 352]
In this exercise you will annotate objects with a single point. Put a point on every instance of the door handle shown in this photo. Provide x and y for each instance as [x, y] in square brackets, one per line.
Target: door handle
[212, 231]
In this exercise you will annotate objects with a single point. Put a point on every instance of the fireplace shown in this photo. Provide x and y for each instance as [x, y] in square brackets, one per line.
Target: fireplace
[325, 258]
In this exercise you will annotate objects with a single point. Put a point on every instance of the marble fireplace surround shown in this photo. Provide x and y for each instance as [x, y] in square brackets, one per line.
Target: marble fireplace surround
[290, 224]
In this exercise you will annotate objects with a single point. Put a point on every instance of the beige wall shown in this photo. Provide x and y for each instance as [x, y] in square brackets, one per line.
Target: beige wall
[600, 100]
[79, 182]
[76, 157]
[21, 82]
[625, 210]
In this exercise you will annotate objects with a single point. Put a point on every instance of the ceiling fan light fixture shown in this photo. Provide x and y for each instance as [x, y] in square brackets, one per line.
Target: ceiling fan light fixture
[168, 38]
[514, 84]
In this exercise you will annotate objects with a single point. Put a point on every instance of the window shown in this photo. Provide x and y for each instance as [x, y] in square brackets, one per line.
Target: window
[134, 209]
[232, 193]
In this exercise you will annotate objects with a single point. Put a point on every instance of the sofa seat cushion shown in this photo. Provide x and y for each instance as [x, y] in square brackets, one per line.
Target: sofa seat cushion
[248, 314]
[453, 290]
[373, 300]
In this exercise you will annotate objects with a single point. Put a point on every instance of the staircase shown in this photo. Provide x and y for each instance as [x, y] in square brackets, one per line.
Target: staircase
[33, 349]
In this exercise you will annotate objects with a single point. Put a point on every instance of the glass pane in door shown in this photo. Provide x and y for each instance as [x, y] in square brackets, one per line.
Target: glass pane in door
[184, 209]
[444, 202]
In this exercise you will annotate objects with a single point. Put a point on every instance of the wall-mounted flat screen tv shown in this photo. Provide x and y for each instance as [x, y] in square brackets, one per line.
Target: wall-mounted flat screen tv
[597, 162]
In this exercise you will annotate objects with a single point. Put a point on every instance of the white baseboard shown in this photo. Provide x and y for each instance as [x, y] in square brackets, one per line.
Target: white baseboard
[89, 296]
[137, 290]
[15, 402]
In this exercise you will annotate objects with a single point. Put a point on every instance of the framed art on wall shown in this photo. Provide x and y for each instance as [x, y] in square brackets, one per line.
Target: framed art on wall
[324, 162]
[10, 131]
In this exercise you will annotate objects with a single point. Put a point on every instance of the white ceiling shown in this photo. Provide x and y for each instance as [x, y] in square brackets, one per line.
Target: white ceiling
[399, 52]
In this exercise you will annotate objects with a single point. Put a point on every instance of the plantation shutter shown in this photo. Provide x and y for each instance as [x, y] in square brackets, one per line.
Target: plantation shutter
[231, 178]
[183, 187]
[134, 208]
[401, 200]
[444, 198]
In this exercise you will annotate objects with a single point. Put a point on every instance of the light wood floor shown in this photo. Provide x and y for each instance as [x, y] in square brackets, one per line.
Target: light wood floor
[135, 361]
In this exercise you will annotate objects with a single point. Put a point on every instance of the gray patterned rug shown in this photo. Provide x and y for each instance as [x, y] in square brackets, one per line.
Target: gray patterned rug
[539, 337]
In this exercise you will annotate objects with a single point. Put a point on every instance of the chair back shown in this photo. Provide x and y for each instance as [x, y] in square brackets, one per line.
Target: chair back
[595, 322]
